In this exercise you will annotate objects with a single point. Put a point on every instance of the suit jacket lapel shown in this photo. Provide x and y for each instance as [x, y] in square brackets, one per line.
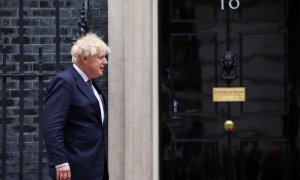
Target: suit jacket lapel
[103, 100]
[86, 91]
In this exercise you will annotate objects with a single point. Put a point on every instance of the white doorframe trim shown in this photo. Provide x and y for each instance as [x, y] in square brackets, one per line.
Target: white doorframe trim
[133, 139]
[155, 91]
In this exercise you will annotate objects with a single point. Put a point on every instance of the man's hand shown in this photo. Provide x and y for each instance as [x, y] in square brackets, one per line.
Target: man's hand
[63, 173]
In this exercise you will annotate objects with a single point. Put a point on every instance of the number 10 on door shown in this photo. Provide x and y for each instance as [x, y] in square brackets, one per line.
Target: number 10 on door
[233, 4]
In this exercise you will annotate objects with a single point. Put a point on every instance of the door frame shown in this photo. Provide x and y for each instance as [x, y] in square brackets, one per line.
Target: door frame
[133, 90]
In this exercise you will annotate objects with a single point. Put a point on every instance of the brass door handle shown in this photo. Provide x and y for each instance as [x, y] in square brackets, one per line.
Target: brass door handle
[229, 125]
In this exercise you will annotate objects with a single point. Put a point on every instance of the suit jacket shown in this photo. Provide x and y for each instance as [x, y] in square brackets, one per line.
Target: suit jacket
[72, 128]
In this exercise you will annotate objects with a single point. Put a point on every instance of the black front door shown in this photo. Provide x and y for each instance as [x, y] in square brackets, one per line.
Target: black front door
[229, 43]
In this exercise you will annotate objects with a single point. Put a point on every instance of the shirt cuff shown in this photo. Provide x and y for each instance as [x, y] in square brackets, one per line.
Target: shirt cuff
[61, 165]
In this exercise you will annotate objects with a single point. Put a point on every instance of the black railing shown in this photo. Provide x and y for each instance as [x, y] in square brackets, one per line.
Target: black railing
[83, 23]
[16, 169]
[20, 167]
[40, 77]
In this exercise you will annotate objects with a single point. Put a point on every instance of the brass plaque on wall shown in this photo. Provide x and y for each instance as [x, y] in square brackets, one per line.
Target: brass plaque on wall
[229, 94]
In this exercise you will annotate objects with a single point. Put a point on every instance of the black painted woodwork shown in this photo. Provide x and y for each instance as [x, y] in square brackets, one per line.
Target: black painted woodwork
[193, 38]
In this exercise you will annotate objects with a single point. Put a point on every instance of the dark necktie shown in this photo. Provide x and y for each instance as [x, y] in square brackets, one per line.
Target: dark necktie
[89, 82]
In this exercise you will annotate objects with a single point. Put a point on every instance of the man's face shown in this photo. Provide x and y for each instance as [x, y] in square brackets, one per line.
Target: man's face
[95, 64]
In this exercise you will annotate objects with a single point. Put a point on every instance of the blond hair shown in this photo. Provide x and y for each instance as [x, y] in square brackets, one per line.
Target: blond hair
[87, 46]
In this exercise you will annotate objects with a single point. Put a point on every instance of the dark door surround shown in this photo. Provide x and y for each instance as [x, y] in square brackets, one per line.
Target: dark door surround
[194, 37]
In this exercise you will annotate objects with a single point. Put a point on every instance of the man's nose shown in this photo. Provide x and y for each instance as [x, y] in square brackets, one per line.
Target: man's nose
[105, 61]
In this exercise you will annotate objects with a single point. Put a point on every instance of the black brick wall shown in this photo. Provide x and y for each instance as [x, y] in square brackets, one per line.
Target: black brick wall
[39, 31]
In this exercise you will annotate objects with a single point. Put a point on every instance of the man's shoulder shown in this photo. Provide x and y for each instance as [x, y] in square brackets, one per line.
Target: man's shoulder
[65, 76]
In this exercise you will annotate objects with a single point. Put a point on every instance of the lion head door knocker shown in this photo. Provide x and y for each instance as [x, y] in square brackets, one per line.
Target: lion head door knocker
[228, 63]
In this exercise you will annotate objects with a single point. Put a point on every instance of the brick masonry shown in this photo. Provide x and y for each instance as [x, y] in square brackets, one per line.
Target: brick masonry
[39, 31]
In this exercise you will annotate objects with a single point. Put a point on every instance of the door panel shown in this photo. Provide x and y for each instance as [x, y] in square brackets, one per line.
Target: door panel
[264, 73]
[195, 35]
[192, 72]
[263, 9]
[192, 9]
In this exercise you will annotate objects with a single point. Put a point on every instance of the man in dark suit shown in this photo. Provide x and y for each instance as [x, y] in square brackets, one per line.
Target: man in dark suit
[75, 115]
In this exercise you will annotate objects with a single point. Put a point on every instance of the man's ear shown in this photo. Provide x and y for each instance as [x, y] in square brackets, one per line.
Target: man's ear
[84, 59]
